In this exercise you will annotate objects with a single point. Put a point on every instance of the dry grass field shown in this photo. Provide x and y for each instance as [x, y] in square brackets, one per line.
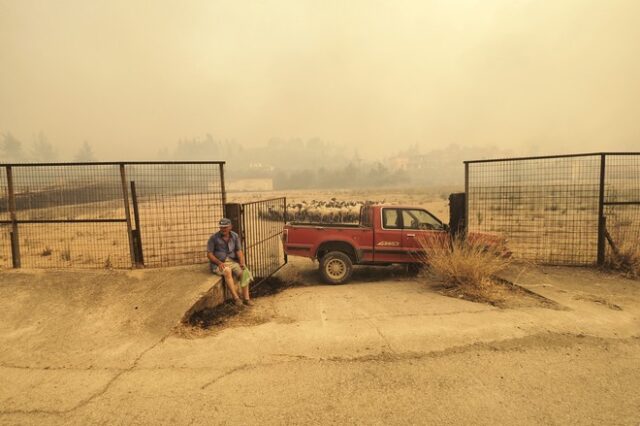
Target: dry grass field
[174, 231]
[176, 227]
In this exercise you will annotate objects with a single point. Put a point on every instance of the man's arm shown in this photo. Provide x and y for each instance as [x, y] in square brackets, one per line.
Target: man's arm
[239, 252]
[211, 246]
[215, 260]
[240, 255]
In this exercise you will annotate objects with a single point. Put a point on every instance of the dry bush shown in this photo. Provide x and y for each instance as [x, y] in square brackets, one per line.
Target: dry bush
[469, 264]
[65, 254]
[624, 253]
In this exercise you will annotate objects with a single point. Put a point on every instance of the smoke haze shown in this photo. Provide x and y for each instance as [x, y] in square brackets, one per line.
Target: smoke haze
[371, 77]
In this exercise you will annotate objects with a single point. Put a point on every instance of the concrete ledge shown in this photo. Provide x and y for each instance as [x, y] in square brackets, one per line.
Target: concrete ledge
[103, 318]
[213, 297]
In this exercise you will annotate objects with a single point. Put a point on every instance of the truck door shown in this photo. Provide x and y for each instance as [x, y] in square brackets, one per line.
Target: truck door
[388, 238]
[420, 228]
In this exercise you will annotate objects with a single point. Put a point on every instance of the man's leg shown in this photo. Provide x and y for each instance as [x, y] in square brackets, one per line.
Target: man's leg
[231, 285]
[237, 272]
[245, 295]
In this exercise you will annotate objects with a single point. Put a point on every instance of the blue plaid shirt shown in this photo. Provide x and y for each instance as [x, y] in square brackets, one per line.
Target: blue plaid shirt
[221, 249]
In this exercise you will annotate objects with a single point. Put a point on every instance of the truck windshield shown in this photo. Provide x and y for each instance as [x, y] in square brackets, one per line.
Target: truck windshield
[420, 219]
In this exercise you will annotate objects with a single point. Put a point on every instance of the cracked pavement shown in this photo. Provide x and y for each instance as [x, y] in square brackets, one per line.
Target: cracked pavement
[99, 348]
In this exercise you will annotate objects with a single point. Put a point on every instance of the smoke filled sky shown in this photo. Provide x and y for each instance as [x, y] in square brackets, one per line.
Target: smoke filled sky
[132, 77]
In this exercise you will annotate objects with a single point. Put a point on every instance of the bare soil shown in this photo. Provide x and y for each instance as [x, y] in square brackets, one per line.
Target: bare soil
[498, 292]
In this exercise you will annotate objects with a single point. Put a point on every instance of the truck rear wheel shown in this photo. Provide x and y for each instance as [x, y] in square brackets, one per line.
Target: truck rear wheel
[336, 267]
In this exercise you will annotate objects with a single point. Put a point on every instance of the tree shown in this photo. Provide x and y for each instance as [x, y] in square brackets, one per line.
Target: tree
[42, 151]
[11, 148]
[85, 154]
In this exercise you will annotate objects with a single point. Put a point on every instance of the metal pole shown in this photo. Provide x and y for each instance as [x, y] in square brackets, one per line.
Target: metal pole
[127, 212]
[284, 210]
[15, 239]
[136, 219]
[601, 218]
[243, 236]
[284, 200]
[466, 200]
[222, 189]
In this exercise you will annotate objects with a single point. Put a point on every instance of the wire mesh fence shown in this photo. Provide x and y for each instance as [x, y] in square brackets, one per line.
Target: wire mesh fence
[93, 215]
[178, 206]
[551, 208]
[621, 205]
[5, 223]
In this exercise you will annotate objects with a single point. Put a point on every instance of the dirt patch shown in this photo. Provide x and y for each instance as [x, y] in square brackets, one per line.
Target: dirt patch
[223, 316]
[598, 300]
[227, 314]
[271, 286]
[500, 293]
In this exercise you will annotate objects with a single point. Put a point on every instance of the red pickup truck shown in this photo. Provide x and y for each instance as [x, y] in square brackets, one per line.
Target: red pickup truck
[386, 234]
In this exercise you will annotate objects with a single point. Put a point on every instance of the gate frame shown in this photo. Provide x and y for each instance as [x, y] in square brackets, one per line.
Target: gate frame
[236, 213]
[602, 220]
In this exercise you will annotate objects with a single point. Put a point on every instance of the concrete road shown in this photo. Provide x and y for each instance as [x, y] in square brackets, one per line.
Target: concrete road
[385, 352]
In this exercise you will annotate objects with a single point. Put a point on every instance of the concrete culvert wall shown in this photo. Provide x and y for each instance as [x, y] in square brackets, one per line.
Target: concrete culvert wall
[95, 317]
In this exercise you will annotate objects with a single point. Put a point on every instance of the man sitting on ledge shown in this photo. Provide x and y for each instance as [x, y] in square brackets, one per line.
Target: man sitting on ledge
[226, 259]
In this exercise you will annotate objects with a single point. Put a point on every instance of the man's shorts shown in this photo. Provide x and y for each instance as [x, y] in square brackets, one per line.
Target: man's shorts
[236, 270]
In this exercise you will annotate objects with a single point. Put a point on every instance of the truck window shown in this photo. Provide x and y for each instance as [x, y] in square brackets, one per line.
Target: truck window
[391, 219]
[366, 216]
[420, 219]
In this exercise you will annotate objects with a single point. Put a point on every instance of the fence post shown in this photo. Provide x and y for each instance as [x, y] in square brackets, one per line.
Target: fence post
[136, 232]
[457, 203]
[466, 200]
[285, 219]
[233, 212]
[601, 217]
[15, 238]
[222, 188]
[127, 213]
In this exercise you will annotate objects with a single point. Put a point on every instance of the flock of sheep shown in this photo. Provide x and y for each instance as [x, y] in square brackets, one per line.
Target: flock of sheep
[332, 211]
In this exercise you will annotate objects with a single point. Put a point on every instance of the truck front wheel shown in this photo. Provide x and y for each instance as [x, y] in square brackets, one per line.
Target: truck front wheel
[336, 267]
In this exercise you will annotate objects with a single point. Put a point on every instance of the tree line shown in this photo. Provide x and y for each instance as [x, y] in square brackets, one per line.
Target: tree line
[291, 163]
[38, 150]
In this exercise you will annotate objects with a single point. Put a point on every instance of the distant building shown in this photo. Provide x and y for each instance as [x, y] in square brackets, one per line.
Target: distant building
[261, 167]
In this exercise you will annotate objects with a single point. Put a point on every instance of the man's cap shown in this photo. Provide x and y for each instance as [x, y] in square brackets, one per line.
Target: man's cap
[224, 222]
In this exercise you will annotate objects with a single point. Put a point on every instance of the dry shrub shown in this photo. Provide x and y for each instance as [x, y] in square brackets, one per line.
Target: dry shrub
[624, 253]
[469, 264]
[65, 254]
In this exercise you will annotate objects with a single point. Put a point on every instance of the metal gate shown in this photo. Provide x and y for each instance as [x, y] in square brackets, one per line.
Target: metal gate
[175, 208]
[261, 224]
